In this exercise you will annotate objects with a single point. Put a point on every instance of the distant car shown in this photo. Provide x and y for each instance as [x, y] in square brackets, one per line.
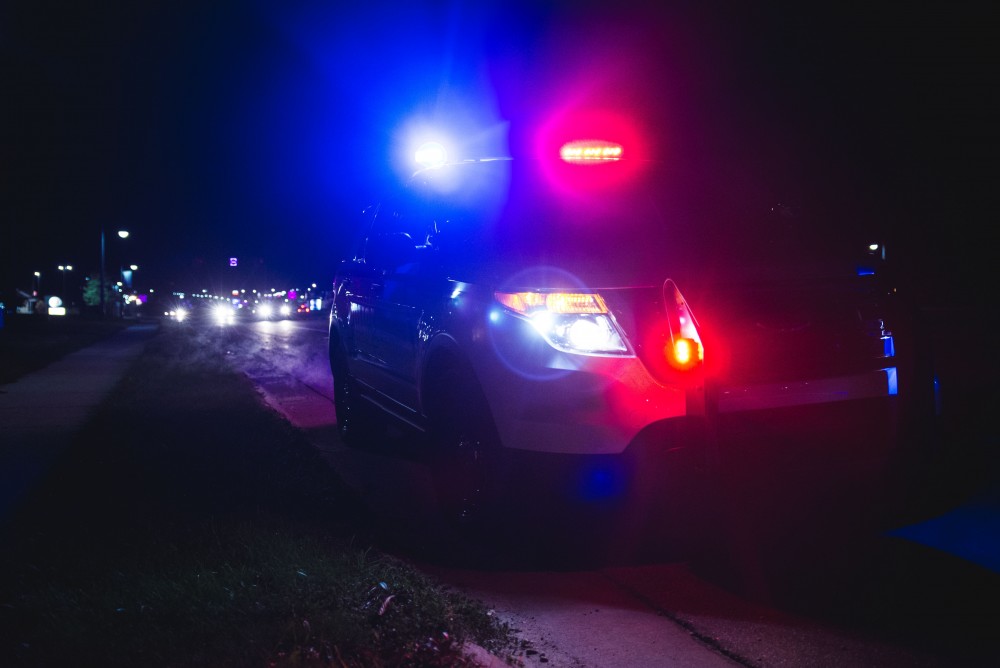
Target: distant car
[177, 310]
[223, 313]
[264, 310]
[178, 313]
[269, 310]
[595, 309]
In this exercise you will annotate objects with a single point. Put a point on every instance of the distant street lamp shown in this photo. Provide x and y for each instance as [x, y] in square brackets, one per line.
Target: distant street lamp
[126, 274]
[63, 268]
[38, 283]
[123, 234]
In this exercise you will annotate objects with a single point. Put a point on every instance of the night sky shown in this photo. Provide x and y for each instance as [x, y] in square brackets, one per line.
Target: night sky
[257, 130]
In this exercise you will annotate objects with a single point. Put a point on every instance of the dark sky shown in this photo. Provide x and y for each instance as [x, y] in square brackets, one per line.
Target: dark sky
[255, 129]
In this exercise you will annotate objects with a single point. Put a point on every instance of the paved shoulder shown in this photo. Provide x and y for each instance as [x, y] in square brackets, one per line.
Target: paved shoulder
[40, 412]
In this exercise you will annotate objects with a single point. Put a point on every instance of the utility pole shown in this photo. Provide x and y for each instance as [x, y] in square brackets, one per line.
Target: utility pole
[122, 234]
[103, 310]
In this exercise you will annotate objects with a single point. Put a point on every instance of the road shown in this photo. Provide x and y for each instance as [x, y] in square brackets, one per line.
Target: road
[815, 581]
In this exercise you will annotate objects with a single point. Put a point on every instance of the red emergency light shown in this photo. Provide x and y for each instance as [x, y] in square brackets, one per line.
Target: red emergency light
[585, 152]
[590, 151]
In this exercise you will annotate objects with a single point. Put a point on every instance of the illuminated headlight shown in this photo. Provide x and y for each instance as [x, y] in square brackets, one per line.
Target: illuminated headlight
[265, 310]
[285, 310]
[180, 314]
[223, 314]
[580, 334]
[572, 322]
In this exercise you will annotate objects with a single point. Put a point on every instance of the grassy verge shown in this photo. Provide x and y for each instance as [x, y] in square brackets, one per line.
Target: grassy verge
[30, 342]
[189, 526]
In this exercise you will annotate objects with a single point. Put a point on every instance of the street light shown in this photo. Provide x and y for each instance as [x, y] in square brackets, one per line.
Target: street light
[122, 234]
[38, 283]
[63, 268]
[126, 274]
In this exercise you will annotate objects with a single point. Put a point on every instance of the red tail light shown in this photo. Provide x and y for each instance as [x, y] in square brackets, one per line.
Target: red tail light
[684, 350]
[685, 354]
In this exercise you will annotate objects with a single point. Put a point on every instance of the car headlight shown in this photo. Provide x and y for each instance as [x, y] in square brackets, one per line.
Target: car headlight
[223, 314]
[265, 310]
[569, 321]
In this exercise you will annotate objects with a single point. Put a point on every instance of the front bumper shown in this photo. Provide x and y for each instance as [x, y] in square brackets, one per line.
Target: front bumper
[545, 400]
[868, 385]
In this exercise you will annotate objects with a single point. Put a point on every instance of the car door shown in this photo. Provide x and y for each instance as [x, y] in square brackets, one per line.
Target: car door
[356, 283]
[405, 282]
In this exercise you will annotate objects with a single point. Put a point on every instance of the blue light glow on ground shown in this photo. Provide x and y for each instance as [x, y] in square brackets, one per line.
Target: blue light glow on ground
[971, 531]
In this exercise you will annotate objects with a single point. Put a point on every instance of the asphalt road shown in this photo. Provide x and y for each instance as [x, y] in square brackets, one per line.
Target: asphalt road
[817, 578]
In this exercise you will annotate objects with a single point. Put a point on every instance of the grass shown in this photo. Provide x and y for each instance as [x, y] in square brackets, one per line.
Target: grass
[231, 593]
[189, 526]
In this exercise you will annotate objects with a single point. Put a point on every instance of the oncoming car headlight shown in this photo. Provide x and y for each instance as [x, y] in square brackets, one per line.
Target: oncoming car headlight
[569, 321]
[223, 314]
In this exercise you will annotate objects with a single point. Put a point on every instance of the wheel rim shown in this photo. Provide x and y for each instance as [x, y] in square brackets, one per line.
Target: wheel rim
[465, 457]
[344, 399]
[341, 404]
[469, 477]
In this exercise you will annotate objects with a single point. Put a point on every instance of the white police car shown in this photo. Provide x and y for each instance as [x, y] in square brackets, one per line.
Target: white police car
[591, 307]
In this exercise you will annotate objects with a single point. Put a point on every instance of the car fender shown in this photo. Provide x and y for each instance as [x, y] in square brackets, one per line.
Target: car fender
[441, 353]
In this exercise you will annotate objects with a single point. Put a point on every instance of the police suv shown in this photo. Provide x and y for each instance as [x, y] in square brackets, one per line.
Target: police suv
[593, 308]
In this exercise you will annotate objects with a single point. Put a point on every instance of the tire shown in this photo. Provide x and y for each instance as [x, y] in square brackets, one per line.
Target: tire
[356, 422]
[468, 463]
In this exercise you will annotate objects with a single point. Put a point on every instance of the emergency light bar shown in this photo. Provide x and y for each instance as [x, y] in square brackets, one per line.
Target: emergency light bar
[579, 151]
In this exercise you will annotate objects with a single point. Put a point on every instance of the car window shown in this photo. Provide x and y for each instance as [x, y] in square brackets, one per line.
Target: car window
[500, 221]
[403, 235]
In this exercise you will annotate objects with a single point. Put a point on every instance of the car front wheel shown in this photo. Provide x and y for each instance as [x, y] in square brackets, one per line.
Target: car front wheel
[468, 466]
[356, 423]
